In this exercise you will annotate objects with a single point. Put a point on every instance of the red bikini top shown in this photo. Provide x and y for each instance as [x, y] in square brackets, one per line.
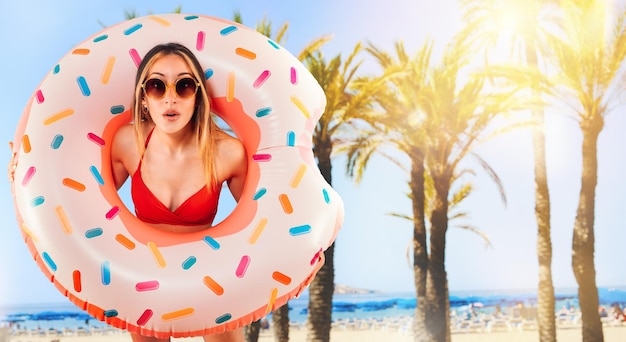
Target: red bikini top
[199, 209]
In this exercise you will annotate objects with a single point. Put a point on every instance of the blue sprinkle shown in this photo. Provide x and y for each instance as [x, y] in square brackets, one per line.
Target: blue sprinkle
[37, 201]
[259, 193]
[223, 318]
[49, 261]
[212, 242]
[56, 141]
[96, 174]
[92, 233]
[263, 112]
[189, 262]
[291, 138]
[56, 69]
[276, 46]
[132, 30]
[106, 273]
[228, 30]
[299, 230]
[117, 109]
[100, 38]
[84, 88]
[208, 73]
[110, 313]
[326, 196]
[191, 17]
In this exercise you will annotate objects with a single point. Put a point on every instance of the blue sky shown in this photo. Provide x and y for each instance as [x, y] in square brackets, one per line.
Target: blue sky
[371, 247]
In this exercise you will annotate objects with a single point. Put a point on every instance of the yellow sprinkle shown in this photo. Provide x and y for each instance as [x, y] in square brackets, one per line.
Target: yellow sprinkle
[270, 304]
[160, 21]
[245, 53]
[29, 233]
[257, 231]
[230, 91]
[63, 220]
[56, 117]
[26, 143]
[177, 314]
[297, 177]
[157, 254]
[300, 106]
[108, 69]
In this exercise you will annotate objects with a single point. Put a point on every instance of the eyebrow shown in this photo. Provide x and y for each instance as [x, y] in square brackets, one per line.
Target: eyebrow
[163, 75]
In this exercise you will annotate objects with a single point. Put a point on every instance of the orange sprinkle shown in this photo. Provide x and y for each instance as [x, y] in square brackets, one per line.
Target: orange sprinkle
[56, 117]
[230, 91]
[300, 106]
[26, 143]
[177, 314]
[124, 241]
[80, 52]
[160, 20]
[157, 254]
[70, 183]
[297, 177]
[281, 278]
[270, 304]
[257, 231]
[108, 69]
[285, 203]
[78, 286]
[63, 220]
[213, 285]
[29, 233]
[245, 53]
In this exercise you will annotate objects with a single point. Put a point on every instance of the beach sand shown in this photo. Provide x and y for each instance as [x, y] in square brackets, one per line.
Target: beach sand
[611, 334]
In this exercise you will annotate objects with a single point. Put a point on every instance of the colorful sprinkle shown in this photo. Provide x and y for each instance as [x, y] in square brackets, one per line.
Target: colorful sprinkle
[273, 44]
[26, 147]
[294, 76]
[291, 138]
[37, 201]
[132, 29]
[158, 257]
[200, 41]
[94, 232]
[228, 30]
[262, 157]
[263, 112]
[117, 109]
[259, 193]
[300, 230]
[257, 231]
[230, 90]
[56, 141]
[72, 184]
[83, 52]
[112, 213]
[78, 285]
[223, 318]
[316, 257]
[58, 116]
[96, 175]
[160, 20]
[213, 285]
[108, 69]
[99, 141]
[300, 106]
[56, 69]
[281, 278]
[243, 266]
[105, 273]
[326, 196]
[147, 286]
[297, 177]
[124, 241]
[100, 38]
[271, 301]
[208, 73]
[144, 318]
[110, 313]
[84, 87]
[177, 314]
[134, 55]
[29, 175]
[191, 17]
[285, 203]
[29, 233]
[63, 219]
[261, 79]
[189, 262]
[48, 260]
[245, 53]
[39, 96]
[212, 242]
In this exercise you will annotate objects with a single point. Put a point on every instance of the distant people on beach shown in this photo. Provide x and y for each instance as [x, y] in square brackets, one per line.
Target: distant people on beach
[617, 312]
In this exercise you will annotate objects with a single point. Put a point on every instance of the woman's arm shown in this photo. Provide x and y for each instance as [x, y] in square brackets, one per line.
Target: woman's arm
[233, 160]
[123, 144]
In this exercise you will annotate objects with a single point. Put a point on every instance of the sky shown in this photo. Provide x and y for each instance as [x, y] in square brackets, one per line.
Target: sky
[371, 248]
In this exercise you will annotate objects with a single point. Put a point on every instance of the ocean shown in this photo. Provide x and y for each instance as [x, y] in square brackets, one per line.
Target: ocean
[345, 307]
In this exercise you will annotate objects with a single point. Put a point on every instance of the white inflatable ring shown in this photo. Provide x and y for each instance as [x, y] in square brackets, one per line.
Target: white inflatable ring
[106, 261]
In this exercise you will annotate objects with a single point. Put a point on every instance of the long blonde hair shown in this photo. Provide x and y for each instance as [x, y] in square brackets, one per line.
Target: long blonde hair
[204, 127]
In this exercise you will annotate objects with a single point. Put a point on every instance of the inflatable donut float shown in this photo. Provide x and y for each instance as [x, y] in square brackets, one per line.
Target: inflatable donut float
[134, 277]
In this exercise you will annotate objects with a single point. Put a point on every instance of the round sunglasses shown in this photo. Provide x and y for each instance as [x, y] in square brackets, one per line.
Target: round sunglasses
[156, 88]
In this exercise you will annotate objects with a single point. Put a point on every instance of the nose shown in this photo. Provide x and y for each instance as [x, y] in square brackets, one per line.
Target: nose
[170, 92]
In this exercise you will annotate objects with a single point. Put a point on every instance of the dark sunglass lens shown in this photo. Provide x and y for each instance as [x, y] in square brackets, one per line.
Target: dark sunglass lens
[186, 87]
[155, 88]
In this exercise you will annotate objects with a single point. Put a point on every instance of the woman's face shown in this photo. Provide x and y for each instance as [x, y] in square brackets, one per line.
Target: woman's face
[173, 111]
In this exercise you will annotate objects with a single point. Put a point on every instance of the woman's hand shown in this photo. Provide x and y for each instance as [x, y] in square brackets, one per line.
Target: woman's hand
[12, 163]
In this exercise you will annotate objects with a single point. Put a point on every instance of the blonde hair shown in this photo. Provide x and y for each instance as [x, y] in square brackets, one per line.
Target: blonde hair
[204, 127]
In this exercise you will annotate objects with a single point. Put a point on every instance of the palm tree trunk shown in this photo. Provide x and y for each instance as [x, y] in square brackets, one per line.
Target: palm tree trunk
[280, 321]
[420, 253]
[251, 332]
[583, 241]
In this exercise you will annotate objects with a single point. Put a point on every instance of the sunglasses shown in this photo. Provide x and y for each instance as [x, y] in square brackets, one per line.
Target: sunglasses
[185, 87]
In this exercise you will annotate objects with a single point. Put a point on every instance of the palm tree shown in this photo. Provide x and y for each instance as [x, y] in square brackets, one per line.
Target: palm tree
[521, 25]
[590, 62]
